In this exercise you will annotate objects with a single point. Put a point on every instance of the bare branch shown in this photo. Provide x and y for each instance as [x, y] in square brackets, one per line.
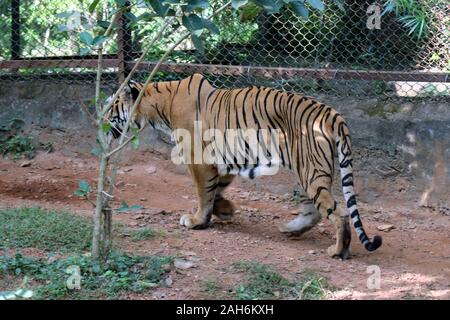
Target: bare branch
[85, 109]
[123, 144]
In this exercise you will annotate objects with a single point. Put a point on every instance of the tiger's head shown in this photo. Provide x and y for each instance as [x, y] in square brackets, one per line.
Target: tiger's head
[120, 110]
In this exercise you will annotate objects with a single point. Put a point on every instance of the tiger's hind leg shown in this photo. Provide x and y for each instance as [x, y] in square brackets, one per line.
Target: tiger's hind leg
[223, 208]
[328, 208]
[307, 218]
[206, 180]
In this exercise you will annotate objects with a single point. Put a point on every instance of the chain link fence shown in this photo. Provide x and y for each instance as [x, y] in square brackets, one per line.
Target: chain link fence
[389, 48]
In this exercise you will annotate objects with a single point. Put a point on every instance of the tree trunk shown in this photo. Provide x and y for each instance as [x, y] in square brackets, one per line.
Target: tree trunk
[98, 237]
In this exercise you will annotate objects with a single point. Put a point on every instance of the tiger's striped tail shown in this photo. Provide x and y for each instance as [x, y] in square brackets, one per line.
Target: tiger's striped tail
[344, 150]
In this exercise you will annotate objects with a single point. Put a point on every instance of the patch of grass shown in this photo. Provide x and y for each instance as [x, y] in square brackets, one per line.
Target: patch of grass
[13, 142]
[122, 273]
[311, 286]
[139, 234]
[213, 289]
[264, 282]
[51, 230]
[210, 286]
[142, 234]
[19, 146]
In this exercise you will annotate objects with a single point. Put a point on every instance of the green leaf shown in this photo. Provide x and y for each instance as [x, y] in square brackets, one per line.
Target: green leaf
[103, 24]
[196, 4]
[121, 3]
[106, 127]
[198, 43]
[208, 24]
[135, 207]
[269, 5]
[135, 142]
[84, 51]
[316, 4]
[160, 8]
[193, 23]
[146, 16]
[86, 38]
[79, 193]
[134, 130]
[93, 5]
[236, 4]
[130, 16]
[84, 186]
[96, 152]
[102, 95]
[300, 9]
[98, 40]
[123, 207]
[250, 12]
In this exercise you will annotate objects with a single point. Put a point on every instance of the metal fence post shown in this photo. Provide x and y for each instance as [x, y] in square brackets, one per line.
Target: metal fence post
[124, 45]
[15, 29]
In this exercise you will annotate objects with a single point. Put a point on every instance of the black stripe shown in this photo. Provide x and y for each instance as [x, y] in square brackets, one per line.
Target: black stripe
[211, 188]
[319, 190]
[189, 84]
[351, 201]
[347, 180]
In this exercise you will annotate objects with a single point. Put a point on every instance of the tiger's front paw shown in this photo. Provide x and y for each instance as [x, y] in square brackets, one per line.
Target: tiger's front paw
[189, 221]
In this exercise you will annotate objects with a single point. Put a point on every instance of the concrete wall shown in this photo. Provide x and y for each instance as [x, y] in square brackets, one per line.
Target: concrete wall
[414, 127]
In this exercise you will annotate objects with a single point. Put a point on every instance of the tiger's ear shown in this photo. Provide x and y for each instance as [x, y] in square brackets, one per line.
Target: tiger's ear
[131, 89]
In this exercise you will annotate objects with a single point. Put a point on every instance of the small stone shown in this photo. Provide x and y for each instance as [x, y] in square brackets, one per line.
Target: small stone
[138, 216]
[143, 199]
[386, 227]
[127, 169]
[294, 212]
[159, 295]
[150, 170]
[311, 252]
[183, 264]
[25, 164]
[166, 267]
[168, 281]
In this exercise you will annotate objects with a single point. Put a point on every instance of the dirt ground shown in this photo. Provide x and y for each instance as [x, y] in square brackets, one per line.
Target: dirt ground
[414, 260]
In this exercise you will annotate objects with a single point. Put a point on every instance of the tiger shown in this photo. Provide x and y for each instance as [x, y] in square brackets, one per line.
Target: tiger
[312, 134]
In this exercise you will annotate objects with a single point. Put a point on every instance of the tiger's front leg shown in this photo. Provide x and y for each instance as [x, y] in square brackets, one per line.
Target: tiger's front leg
[206, 180]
